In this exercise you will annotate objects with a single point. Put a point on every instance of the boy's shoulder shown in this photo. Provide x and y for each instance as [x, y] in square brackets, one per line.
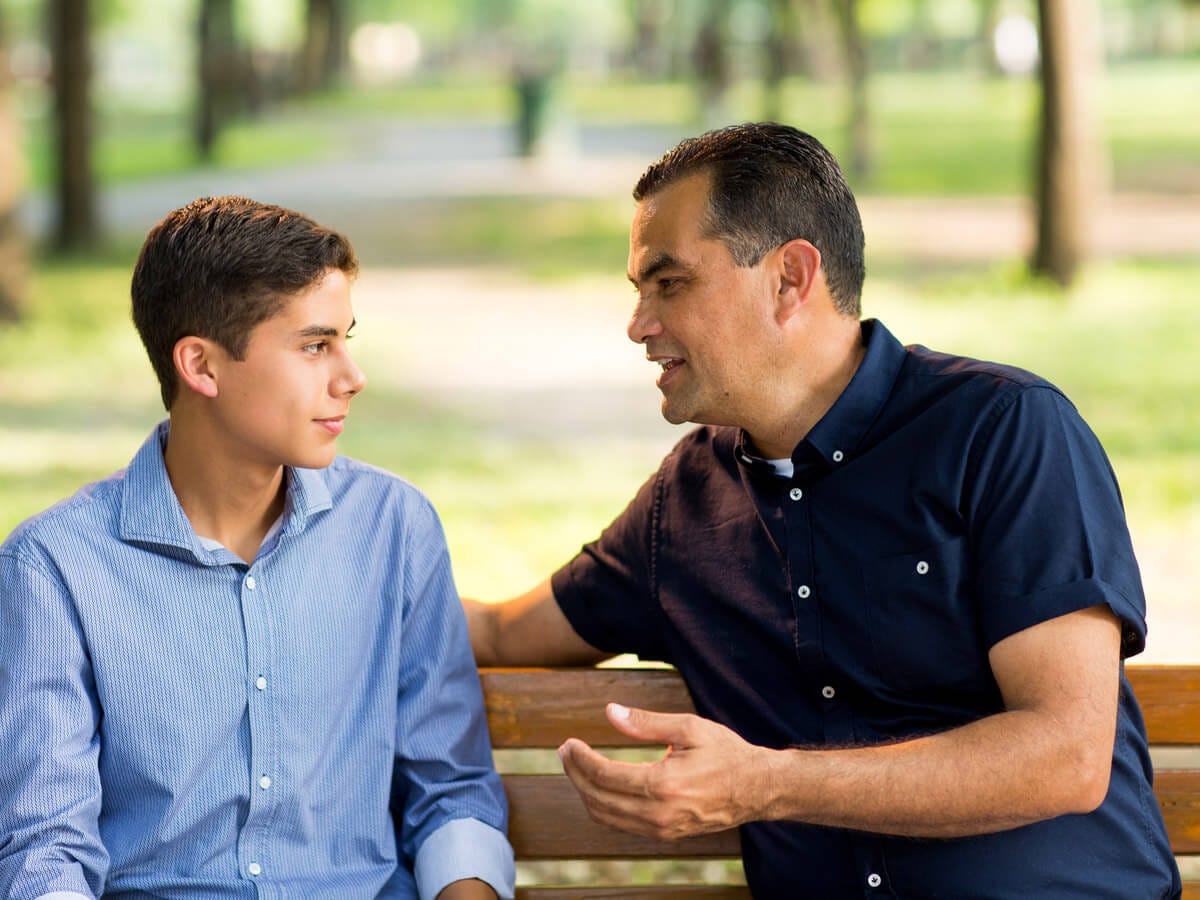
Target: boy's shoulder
[89, 514]
[353, 480]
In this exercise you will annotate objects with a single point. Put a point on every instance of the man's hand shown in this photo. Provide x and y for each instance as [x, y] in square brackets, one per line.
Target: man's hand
[709, 780]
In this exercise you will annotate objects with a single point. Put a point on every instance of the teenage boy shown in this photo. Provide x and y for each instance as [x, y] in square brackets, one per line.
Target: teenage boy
[238, 668]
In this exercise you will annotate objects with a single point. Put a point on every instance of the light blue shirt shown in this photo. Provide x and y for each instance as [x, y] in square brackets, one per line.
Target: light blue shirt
[175, 723]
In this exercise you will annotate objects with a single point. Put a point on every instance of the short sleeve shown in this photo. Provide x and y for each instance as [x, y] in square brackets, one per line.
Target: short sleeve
[607, 591]
[1047, 525]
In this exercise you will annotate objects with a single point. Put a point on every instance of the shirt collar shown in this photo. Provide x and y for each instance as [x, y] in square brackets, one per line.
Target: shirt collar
[840, 432]
[151, 514]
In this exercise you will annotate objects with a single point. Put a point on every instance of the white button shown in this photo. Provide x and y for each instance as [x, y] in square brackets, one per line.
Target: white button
[254, 869]
[874, 880]
[922, 568]
[264, 782]
[827, 692]
[838, 455]
[260, 683]
[795, 493]
[804, 590]
[250, 582]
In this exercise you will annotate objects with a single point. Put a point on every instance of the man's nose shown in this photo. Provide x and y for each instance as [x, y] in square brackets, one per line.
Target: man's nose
[643, 324]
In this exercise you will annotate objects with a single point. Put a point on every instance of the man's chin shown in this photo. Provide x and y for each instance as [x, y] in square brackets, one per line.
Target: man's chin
[674, 415]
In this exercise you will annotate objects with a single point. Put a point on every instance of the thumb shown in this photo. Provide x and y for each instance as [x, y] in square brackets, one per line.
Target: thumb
[663, 728]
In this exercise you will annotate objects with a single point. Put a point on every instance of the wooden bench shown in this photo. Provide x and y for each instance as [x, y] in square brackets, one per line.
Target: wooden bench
[531, 710]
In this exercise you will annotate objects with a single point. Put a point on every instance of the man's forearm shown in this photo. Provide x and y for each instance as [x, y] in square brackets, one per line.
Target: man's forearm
[1000, 772]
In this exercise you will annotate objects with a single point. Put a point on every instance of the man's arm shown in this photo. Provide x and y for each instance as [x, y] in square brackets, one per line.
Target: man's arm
[49, 717]
[1048, 754]
[529, 630]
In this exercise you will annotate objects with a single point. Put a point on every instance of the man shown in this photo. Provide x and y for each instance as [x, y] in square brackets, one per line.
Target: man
[239, 668]
[898, 584]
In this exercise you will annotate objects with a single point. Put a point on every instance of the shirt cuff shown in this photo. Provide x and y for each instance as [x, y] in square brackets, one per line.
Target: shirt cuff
[64, 895]
[465, 848]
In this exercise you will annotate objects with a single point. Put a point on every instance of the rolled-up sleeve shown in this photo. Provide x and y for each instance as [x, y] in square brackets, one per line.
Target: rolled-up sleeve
[49, 716]
[441, 860]
[447, 798]
[1049, 528]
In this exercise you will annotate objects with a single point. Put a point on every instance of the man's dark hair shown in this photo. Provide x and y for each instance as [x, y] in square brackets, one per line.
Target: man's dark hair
[220, 266]
[770, 184]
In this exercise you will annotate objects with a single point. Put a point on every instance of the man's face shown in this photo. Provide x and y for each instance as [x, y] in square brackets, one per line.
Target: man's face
[704, 319]
[284, 403]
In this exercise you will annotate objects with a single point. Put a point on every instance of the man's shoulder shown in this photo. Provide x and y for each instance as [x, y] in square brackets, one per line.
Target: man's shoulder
[981, 388]
[925, 363]
[73, 524]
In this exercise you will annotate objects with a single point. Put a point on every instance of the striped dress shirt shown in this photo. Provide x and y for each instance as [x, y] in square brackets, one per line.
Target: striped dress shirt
[177, 724]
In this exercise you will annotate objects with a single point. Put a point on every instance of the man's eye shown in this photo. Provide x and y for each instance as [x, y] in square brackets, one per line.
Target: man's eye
[317, 348]
[667, 284]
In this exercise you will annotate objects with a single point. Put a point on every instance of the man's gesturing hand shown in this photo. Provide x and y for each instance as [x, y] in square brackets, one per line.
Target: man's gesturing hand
[709, 780]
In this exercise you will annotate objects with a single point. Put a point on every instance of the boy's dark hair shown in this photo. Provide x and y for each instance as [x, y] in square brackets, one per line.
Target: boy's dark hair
[220, 266]
[771, 184]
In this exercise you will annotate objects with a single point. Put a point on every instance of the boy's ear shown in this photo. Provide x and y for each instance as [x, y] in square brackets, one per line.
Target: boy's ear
[196, 362]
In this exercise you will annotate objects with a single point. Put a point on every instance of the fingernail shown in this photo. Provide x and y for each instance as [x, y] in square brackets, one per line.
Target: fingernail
[562, 752]
[617, 711]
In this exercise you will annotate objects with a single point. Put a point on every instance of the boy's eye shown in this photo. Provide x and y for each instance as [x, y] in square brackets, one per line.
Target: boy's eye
[317, 348]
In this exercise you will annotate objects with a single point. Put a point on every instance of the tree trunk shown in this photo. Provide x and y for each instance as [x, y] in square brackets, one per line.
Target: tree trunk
[218, 63]
[1068, 153]
[861, 141]
[323, 56]
[780, 50]
[12, 245]
[70, 27]
[713, 64]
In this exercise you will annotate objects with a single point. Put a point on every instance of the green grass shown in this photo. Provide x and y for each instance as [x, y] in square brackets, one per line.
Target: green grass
[131, 147]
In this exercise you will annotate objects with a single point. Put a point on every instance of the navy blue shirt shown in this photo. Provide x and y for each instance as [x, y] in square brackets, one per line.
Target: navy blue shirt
[940, 506]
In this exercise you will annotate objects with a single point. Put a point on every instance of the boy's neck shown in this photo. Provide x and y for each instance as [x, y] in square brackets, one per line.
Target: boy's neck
[224, 497]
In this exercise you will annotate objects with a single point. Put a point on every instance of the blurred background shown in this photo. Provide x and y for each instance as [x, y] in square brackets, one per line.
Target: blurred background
[1029, 176]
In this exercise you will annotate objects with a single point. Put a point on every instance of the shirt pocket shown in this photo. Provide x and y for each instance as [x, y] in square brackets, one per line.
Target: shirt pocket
[924, 624]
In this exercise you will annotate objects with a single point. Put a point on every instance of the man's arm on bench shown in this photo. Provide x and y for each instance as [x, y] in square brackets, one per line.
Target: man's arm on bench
[529, 630]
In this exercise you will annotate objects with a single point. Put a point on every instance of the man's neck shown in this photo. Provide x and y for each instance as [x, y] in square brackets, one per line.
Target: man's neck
[805, 392]
[225, 498]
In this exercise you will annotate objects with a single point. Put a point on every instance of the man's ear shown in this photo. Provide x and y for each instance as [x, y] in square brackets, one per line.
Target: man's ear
[799, 272]
[196, 363]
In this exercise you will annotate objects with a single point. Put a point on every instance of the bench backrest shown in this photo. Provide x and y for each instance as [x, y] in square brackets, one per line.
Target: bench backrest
[536, 709]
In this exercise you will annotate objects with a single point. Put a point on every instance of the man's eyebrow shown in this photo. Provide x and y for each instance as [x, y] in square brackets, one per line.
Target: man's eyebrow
[324, 330]
[653, 267]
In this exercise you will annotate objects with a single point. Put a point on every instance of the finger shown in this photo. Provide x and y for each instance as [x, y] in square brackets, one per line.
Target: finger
[677, 729]
[582, 763]
[617, 808]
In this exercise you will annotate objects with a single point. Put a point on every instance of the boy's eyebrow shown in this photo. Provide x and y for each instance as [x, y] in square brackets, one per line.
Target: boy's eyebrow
[324, 330]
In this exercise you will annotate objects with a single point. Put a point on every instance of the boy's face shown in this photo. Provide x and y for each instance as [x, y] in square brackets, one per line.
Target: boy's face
[284, 403]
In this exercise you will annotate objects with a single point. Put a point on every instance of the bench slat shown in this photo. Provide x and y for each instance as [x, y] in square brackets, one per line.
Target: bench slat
[548, 821]
[1170, 701]
[554, 704]
[543, 707]
[666, 892]
[1178, 793]
[1191, 890]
